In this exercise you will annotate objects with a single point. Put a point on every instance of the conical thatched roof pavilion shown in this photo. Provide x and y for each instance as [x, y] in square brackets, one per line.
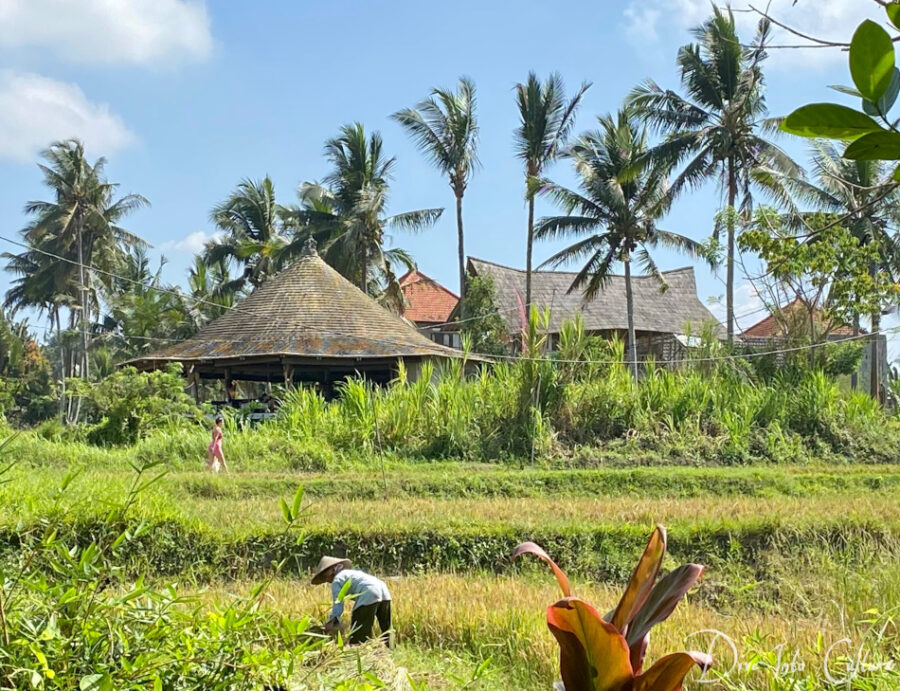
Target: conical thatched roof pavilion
[307, 323]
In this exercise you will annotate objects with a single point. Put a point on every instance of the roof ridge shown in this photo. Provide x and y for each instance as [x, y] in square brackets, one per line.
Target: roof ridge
[423, 277]
[681, 269]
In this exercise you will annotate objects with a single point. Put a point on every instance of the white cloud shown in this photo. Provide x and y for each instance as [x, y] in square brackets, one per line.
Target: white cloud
[749, 307]
[108, 31]
[36, 110]
[644, 21]
[192, 243]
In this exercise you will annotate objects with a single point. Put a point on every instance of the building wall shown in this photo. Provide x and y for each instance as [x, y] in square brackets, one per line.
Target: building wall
[441, 335]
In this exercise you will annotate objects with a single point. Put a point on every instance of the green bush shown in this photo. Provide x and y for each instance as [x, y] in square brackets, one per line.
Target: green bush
[75, 616]
[128, 404]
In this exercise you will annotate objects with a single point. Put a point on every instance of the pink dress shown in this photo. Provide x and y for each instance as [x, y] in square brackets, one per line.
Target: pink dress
[215, 446]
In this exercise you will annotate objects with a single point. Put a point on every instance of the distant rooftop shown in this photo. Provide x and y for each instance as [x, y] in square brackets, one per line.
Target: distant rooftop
[428, 302]
[674, 310]
[773, 326]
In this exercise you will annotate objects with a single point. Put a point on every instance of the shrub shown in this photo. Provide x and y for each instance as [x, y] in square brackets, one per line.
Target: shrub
[73, 619]
[128, 404]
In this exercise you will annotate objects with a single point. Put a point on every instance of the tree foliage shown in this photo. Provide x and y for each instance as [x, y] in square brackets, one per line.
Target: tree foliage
[347, 215]
[870, 132]
[717, 129]
[483, 324]
[445, 128]
[614, 214]
[128, 404]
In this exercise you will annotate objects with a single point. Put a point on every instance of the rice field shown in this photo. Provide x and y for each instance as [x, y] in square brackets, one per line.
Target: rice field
[803, 561]
[452, 627]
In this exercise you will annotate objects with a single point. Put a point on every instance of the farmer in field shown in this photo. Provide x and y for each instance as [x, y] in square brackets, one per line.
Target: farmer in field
[214, 455]
[370, 596]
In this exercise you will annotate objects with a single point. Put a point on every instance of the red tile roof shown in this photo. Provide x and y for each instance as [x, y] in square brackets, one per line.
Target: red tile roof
[771, 327]
[428, 302]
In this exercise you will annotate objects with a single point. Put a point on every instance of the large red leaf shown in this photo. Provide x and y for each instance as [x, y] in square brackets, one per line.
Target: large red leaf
[662, 601]
[593, 656]
[638, 650]
[538, 551]
[642, 580]
[669, 671]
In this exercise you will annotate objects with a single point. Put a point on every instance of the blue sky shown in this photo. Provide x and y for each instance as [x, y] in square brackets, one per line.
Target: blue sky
[186, 98]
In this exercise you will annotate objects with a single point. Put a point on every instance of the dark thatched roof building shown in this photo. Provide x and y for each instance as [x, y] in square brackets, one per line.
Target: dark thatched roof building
[662, 318]
[307, 323]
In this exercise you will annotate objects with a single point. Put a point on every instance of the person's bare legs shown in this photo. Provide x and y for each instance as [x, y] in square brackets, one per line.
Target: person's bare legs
[221, 458]
[210, 457]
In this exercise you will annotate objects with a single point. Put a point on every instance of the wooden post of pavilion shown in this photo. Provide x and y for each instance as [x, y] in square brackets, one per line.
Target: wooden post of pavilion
[194, 375]
[227, 376]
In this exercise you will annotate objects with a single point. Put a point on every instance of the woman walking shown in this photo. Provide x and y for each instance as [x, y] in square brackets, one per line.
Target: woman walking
[214, 455]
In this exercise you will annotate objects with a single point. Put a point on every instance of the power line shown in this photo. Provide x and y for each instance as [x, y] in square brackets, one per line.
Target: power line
[436, 348]
[439, 350]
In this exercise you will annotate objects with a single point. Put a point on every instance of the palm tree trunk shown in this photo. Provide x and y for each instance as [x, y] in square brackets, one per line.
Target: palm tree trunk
[364, 268]
[729, 278]
[874, 360]
[629, 308]
[84, 298]
[62, 364]
[462, 249]
[529, 246]
[854, 378]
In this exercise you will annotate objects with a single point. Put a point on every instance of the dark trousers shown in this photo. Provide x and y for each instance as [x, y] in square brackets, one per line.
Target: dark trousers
[363, 618]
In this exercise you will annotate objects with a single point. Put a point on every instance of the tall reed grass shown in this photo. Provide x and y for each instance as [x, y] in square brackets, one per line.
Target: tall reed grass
[533, 408]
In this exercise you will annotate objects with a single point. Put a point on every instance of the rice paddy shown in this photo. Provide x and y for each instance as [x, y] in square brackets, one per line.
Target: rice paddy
[802, 560]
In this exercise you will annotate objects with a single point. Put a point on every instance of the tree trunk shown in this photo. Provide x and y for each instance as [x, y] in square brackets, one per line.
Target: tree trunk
[729, 279]
[79, 223]
[462, 249]
[629, 308]
[62, 365]
[529, 246]
[874, 360]
[854, 378]
[364, 269]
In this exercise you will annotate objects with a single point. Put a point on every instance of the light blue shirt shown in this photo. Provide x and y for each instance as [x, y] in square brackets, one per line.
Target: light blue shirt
[364, 589]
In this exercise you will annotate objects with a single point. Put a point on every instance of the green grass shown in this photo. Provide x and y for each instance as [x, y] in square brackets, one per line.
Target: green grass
[792, 551]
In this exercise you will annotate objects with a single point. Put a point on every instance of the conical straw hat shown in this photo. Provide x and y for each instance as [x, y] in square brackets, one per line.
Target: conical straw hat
[325, 563]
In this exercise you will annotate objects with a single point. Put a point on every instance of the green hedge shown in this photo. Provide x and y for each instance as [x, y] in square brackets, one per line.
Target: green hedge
[608, 553]
[639, 482]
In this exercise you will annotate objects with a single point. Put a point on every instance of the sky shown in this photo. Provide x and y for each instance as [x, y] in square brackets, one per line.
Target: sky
[186, 98]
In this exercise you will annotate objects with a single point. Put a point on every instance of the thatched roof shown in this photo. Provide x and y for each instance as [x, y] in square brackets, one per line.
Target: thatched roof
[672, 311]
[308, 311]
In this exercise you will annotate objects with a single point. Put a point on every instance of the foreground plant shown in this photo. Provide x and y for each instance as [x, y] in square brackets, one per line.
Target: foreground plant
[606, 653]
[71, 616]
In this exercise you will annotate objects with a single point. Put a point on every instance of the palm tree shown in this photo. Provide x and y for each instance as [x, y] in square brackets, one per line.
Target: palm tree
[82, 220]
[622, 194]
[142, 312]
[445, 128]
[545, 120]
[866, 199]
[346, 214]
[212, 292]
[715, 128]
[49, 286]
[254, 234]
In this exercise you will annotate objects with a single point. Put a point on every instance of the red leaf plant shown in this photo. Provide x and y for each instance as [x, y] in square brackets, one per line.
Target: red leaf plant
[606, 653]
